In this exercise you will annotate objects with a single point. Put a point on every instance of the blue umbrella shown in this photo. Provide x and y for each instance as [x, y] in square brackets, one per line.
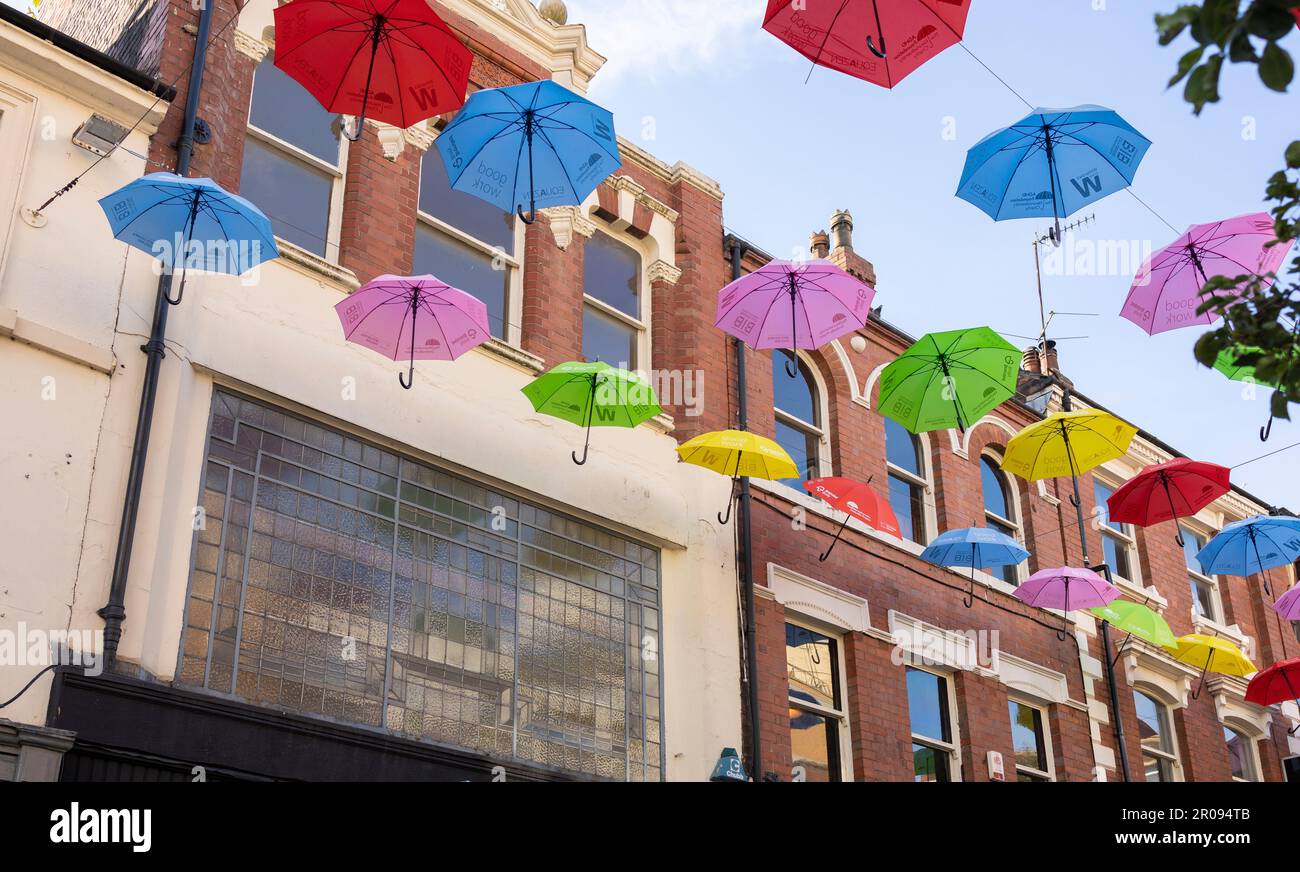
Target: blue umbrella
[975, 547]
[1052, 163]
[538, 142]
[1253, 545]
[190, 223]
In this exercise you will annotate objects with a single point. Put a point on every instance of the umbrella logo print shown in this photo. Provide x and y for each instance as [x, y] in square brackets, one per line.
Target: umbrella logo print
[1087, 184]
[601, 129]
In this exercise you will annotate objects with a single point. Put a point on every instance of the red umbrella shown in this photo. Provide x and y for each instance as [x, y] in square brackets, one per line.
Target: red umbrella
[394, 59]
[858, 501]
[1275, 684]
[1165, 491]
[882, 41]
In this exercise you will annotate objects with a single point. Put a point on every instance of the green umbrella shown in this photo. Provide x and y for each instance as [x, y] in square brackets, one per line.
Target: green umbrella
[949, 380]
[1136, 620]
[593, 394]
[1229, 363]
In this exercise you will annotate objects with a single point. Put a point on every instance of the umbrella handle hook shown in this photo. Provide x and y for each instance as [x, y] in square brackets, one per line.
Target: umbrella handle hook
[1074, 501]
[524, 217]
[969, 600]
[1062, 635]
[179, 293]
[1265, 432]
[823, 557]
[878, 52]
[1178, 537]
[408, 381]
[791, 368]
[726, 519]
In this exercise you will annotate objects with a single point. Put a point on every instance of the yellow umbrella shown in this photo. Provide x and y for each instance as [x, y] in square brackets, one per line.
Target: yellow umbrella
[738, 453]
[1067, 443]
[1212, 654]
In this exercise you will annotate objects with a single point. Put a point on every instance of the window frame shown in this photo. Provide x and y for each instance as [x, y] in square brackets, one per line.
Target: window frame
[823, 465]
[514, 302]
[1048, 774]
[844, 754]
[1011, 494]
[337, 173]
[1165, 712]
[1195, 576]
[1251, 753]
[951, 748]
[640, 327]
[1125, 538]
[924, 482]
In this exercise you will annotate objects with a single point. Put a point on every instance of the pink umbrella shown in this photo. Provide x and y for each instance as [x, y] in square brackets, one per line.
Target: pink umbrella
[1288, 604]
[1066, 588]
[426, 318]
[794, 305]
[1167, 290]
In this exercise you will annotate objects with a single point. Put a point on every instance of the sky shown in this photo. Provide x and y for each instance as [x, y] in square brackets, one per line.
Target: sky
[703, 83]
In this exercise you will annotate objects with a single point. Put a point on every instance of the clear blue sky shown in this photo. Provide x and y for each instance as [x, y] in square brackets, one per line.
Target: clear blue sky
[716, 91]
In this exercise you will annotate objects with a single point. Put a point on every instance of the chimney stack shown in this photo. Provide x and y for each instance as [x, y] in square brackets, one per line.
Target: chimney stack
[1052, 358]
[819, 245]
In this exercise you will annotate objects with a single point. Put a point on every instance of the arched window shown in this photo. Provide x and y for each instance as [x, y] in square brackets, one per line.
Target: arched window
[1241, 755]
[1000, 511]
[615, 311]
[1156, 732]
[908, 481]
[797, 405]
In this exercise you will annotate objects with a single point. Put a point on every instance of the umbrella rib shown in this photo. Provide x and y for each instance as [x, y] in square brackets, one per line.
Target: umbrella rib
[572, 187]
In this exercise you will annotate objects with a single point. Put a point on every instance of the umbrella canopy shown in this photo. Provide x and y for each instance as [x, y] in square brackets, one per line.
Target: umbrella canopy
[783, 304]
[856, 500]
[881, 41]
[1212, 654]
[1066, 588]
[394, 60]
[1067, 443]
[1167, 290]
[1052, 163]
[1136, 620]
[738, 453]
[949, 380]
[1288, 605]
[593, 394]
[190, 224]
[538, 144]
[1254, 545]
[1231, 363]
[1275, 684]
[416, 316]
[1165, 491]
[976, 547]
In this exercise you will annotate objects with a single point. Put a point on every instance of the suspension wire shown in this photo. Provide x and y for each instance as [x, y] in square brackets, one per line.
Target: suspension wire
[157, 99]
[1263, 456]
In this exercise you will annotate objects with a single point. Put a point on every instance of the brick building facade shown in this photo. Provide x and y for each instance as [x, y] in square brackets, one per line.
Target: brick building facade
[870, 665]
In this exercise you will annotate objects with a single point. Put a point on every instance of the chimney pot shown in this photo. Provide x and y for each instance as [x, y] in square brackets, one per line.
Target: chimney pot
[842, 230]
[1053, 362]
[1030, 360]
[820, 244]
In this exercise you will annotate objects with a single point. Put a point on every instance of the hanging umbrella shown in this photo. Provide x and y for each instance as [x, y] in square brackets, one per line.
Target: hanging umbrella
[737, 454]
[538, 143]
[1288, 604]
[1136, 620]
[856, 500]
[1278, 682]
[416, 316]
[1211, 654]
[976, 547]
[1254, 545]
[1165, 491]
[394, 60]
[1052, 163]
[190, 224]
[1067, 443]
[593, 394]
[821, 301]
[1167, 291]
[1232, 362]
[949, 380]
[881, 41]
[1065, 589]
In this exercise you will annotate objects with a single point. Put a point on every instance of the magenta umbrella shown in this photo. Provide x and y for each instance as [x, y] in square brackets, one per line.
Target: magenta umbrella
[1166, 292]
[416, 315]
[1066, 588]
[794, 305]
[1288, 604]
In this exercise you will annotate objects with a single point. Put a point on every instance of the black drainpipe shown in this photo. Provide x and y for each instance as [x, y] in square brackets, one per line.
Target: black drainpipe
[114, 611]
[745, 562]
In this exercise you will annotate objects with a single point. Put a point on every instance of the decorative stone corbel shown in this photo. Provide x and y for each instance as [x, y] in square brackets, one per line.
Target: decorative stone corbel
[662, 271]
[251, 47]
[567, 220]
